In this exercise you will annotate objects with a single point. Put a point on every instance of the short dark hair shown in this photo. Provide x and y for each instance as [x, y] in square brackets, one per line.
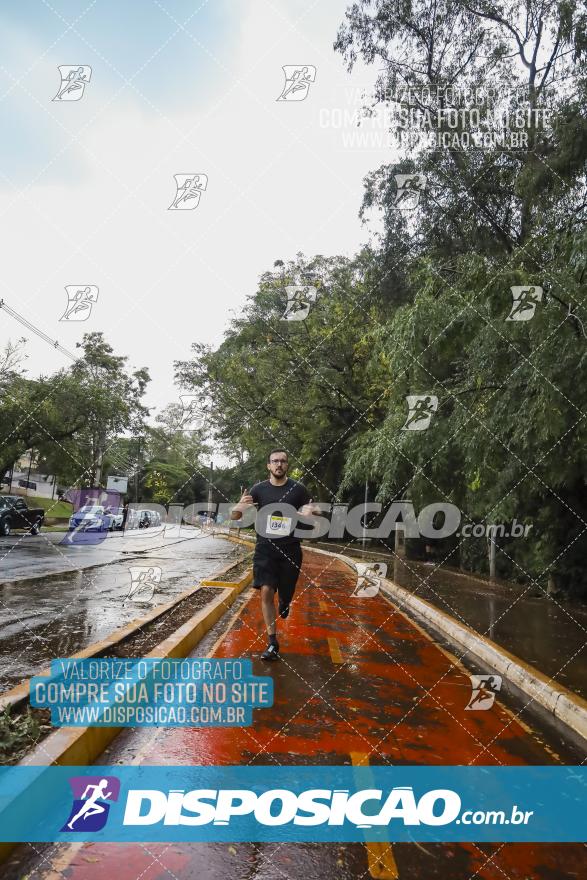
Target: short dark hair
[277, 449]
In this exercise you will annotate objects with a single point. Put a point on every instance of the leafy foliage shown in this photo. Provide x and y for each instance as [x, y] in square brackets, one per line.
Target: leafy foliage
[427, 312]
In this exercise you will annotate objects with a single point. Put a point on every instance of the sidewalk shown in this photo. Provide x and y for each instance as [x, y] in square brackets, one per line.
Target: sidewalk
[357, 682]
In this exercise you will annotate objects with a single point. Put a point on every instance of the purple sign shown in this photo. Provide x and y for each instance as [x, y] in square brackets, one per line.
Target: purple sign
[92, 517]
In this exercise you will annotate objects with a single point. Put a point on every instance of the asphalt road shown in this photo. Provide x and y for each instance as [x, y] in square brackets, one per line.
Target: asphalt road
[32, 556]
[358, 682]
[68, 605]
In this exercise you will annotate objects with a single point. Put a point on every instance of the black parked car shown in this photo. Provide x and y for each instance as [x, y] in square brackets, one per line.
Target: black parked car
[14, 514]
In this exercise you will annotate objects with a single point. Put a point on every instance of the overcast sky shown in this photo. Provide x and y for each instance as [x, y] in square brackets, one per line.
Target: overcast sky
[176, 87]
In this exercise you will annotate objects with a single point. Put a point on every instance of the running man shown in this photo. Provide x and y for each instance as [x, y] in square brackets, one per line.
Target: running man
[90, 807]
[277, 559]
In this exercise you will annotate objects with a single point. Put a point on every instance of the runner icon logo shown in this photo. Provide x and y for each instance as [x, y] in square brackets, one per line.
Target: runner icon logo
[74, 79]
[299, 299]
[188, 190]
[408, 189]
[80, 299]
[421, 409]
[297, 82]
[144, 580]
[369, 579]
[90, 808]
[192, 414]
[484, 688]
[525, 299]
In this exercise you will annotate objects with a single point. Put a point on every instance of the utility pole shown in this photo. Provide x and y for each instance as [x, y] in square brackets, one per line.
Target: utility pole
[137, 468]
[210, 488]
[365, 513]
[491, 538]
[28, 477]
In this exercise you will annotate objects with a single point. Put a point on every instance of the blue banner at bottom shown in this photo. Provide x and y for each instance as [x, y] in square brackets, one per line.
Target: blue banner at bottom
[294, 803]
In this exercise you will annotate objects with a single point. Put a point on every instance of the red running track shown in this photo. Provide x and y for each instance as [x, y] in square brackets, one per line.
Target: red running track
[357, 681]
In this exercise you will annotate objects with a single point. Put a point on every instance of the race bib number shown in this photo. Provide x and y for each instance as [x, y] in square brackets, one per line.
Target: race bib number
[278, 525]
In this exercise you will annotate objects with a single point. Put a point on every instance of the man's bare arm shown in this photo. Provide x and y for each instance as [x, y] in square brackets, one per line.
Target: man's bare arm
[245, 502]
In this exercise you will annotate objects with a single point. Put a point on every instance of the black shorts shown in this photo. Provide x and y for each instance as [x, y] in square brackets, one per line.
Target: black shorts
[277, 566]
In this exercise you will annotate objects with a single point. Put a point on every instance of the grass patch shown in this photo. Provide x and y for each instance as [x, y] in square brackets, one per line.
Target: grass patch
[55, 508]
[18, 733]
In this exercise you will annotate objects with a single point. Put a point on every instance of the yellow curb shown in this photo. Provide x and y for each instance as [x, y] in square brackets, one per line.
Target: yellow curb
[219, 583]
[249, 542]
[82, 745]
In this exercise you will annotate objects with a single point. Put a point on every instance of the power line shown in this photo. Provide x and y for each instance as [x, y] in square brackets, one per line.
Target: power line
[26, 323]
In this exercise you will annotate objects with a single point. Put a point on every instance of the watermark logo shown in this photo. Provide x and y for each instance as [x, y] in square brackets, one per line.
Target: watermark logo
[298, 80]
[408, 119]
[90, 808]
[299, 301]
[144, 580]
[483, 691]
[188, 190]
[525, 299]
[74, 79]
[80, 299]
[421, 408]
[193, 416]
[409, 188]
[93, 514]
[369, 575]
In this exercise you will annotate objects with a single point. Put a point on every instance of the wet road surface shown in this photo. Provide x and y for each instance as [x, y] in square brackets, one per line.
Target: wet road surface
[28, 556]
[45, 618]
[357, 680]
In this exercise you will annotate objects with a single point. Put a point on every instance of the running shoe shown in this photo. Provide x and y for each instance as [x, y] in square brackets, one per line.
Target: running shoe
[271, 652]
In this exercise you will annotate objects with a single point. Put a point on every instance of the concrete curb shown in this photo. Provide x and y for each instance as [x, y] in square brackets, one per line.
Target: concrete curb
[82, 745]
[559, 701]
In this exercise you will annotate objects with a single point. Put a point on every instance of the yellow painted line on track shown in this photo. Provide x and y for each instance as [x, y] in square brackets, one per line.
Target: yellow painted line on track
[335, 650]
[380, 858]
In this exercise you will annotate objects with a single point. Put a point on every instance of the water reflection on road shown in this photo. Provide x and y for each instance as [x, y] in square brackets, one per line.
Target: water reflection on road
[56, 616]
[550, 633]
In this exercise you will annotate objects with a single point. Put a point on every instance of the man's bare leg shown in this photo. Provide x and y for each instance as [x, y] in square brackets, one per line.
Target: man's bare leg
[268, 608]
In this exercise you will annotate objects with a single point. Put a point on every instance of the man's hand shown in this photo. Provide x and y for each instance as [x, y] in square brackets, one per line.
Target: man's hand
[245, 502]
[310, 509]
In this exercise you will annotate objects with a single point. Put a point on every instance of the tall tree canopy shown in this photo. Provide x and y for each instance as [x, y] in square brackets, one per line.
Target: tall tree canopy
[428, 311]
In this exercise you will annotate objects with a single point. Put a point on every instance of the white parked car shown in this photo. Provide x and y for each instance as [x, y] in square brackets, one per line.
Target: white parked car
[117, 517]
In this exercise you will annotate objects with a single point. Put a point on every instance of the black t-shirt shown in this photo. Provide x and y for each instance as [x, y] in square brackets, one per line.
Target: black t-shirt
[275, 525]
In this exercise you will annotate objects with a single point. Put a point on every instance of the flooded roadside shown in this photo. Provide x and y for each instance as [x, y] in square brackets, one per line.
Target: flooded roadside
[57, 616]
